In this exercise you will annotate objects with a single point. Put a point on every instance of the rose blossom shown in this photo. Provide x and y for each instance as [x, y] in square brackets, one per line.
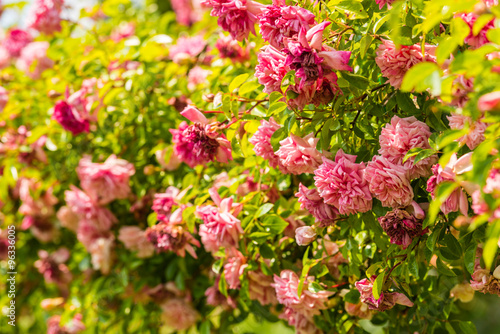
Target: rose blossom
[401, 135]
[197, 76]
[359, 310]
[308, 304]
[237, 17]
[69, 118]
[475, 136]
[457, 200]
[382, 3]
[15, 41]
[310, 200]
[179, 314]
[101, 253]
[186, 12]
[489, 102]
[401, 226]
[107, 181]
[82, 207]
[171, 236]
[229, 48]
[395, 62]
[262, 141]
[482, 279]
[305, 235]
[386, 301]
[135, 240]
[199, 143]
[4, 98]
[260, 288]
[45, 16]
[341, 184]
[187, 48]
[164, 202]
[221, 221]
[124, 30]
[52, 266]
[270, 69]
[74, 326]
[34, 53]
[478, 40]
[388, 182]
[279, 21]
[299, 155]
[234, 268]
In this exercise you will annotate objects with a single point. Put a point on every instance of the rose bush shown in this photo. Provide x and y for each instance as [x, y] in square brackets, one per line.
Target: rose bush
[330, 165]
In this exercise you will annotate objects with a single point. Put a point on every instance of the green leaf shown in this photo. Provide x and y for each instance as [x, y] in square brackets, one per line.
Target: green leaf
[266, 252]
[372, 270]
[470, 258]
[364, 44]
[248, 87]
[490, 252]
[278, 136]
[205, 327]
[377, 286]
[238, 81]
[443, 269]
[275, 224]
[265, 208]
[276, 107]
[354, 9]
[355, 80]
[305, 271]
[421, 77]
[352, 296]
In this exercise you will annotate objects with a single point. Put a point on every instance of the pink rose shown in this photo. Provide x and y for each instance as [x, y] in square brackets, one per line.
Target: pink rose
[489, 102]
[310, 200]
[299, 155]
[45, 16]
[476, 129]
[34, 53]
[262, 141]
[341, 184]
[135, 240]
[305, 235]
[388, 182]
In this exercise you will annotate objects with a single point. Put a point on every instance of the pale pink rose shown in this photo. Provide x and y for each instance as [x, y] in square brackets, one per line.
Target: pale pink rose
[45, 16]
[81, 205]
[73, 326]
[386, 301]
[478, 40]
[15, 41]
[4, 98]
[293, 224]
[476, 129]
[42, 206]
[52, 266]
[229, 48]
[308, 304]
[389, 183]
[401, 226]
[359, 310]
[457, 201]
[220, 220]
[173, 162]
[5, 57]
[305, 235]
[462, 292]
[197, 76]
[303, 324]
[135, 240]
[238, 17]
[279, 21]
[310, 200]
[209, 239]
[187, 49]
[164, 202]
[234, 268]
[482, 279]
[178, 314]
[107, 181]
[68, 218]
[124, 30]
[33, 59]
[395, 62]
[187, 12]
[401, 135]
[493, 183]
[330, 251]
[489, 102]
[260, 288]
[262, 141]
[341, 184]
[101, 252]
[86, 100]
[172, 236]
[299, 155]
